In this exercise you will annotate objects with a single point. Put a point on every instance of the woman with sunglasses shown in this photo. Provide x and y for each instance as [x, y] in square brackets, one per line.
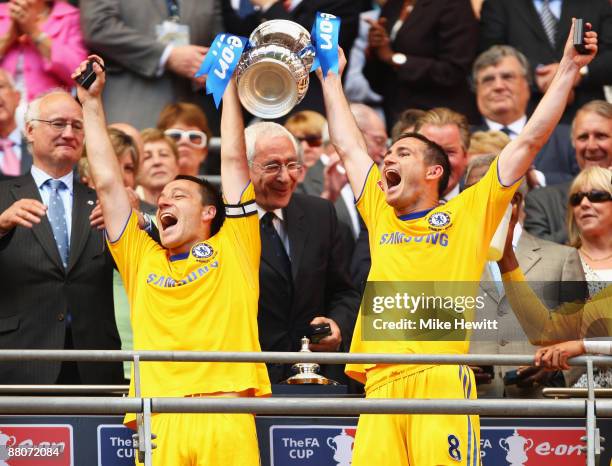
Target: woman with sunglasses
[590, 231]
[187, 126]
[590, 224]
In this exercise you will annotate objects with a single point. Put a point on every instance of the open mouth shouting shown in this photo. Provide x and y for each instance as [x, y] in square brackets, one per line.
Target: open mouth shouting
[393, 178]
[167, 220]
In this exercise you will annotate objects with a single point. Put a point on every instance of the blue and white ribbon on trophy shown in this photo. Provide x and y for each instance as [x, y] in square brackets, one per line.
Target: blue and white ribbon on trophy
[324, 37]
[220, 63]
[226, 50]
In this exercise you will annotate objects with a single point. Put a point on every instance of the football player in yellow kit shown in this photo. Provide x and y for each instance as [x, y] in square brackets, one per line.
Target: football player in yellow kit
[198, 290]
[413, 238]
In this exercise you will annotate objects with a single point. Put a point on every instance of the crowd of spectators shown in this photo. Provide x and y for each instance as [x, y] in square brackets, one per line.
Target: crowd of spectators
[464, 74]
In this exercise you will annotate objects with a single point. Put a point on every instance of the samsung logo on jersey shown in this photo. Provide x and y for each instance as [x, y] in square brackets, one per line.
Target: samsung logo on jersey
[169, 282]
[397, 237]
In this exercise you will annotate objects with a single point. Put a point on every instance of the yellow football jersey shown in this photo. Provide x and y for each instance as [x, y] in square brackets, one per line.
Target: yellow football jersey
[448, 243]
[204, 300]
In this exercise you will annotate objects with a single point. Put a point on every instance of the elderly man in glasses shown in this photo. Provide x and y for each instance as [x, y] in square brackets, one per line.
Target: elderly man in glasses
[188, 127]
[56, 285]
[304, 260]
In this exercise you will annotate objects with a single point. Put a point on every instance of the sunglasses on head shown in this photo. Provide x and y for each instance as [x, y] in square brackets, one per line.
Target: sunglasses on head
[592, 196]
[311, 140]
[194, 138]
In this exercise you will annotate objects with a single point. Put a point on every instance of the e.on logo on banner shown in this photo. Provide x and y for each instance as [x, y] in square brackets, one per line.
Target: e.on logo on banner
[532, 446]
[36, 445]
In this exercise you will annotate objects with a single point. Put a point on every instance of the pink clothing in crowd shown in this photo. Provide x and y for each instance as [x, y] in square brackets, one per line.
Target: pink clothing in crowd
[67, 51]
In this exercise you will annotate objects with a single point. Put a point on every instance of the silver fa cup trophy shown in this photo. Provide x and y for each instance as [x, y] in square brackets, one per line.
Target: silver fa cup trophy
[272, 75]
[307, 372]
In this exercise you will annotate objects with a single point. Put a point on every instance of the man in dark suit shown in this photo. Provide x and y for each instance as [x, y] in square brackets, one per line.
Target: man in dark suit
[303, 275]
[501, 78]
[56, 285]
[147, 69]
[546, 208]
[521, 24]
[15, 159]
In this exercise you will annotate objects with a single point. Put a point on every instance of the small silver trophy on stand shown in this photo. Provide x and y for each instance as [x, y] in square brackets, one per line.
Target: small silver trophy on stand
[307, 372]
[272, 75]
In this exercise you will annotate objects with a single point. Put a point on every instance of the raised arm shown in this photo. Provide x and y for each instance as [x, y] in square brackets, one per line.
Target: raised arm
[103, 163]
[518, 156]
[343, 130]
[234, 165]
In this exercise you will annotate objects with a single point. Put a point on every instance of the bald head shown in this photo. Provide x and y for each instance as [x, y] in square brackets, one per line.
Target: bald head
[373, 128]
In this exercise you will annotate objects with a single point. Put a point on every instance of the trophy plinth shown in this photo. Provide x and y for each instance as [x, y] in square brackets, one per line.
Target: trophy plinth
[307, 372]
[272, 75]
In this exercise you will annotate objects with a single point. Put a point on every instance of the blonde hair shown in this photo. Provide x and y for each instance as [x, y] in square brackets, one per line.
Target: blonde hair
[595, 177]
[306, 122]
[442, 116]
[487, 142]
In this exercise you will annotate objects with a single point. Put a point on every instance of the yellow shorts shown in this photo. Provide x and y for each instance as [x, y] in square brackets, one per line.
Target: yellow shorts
[420, 439]
[205, 439]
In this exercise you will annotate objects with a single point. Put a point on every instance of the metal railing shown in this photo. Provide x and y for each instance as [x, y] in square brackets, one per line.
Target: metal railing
[144, 407]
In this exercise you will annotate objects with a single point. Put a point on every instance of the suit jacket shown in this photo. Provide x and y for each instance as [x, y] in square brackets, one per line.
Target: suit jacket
[123, 33]
[545, 212]
[36, 293]
[304, 14]
[557, 159]
[26, 160]
[439, 38]
[541, 261]
[319, 285]
[518, 24]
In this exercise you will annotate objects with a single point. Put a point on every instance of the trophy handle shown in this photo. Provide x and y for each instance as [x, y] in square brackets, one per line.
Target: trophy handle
[530, 443]
[501, 443]
[335, 448]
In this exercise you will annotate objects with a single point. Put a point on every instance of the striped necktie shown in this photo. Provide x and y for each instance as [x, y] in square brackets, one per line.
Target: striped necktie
[57, 219]
[549, 22]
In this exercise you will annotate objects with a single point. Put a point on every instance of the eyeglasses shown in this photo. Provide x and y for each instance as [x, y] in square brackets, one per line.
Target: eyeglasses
[60, 125]
[593, 196]
[275, 168]
[194, 138]
[311, 140]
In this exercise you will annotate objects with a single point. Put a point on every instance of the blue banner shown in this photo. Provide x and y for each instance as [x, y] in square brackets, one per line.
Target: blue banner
[220, 62]
[324, 36]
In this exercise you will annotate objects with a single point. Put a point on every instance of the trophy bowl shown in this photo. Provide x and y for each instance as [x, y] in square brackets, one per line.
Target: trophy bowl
[272, 75]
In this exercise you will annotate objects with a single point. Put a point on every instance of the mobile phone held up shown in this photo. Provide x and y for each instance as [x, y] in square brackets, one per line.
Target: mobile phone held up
[87, 77]
[579, 30]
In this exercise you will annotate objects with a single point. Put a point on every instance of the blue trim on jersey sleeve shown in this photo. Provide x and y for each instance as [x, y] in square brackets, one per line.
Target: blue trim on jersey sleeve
[414, 215]
[499, 179]
[364, 184]
[179, 257]
[122, 230]
[245, 188]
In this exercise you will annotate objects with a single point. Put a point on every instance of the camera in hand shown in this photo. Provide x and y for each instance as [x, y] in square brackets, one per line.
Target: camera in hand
[579, 30]
[511, 377]
[318, 332]
[87, 77]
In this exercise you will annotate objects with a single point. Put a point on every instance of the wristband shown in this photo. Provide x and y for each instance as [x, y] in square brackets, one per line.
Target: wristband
[598, 346]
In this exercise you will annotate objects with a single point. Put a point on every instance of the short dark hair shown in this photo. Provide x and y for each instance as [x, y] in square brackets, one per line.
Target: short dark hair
[210, 196]
[433, 155]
